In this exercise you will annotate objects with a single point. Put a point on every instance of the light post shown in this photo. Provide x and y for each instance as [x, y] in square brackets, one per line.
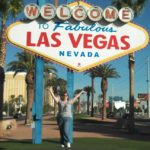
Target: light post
[46, 77]
[58, 93]
[20, 103]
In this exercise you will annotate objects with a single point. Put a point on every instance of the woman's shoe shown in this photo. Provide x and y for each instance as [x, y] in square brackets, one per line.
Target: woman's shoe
[62, 145]
[68, 145]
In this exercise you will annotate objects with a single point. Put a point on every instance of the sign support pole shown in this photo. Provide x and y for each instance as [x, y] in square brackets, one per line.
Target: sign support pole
[70, 90]
[38, 97]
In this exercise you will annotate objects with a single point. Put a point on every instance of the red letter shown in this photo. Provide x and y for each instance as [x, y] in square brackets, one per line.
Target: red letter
[43, 40]
[62, 13]
[126, 44]
[111, 14]
[95, 13]
[28, 43]
[113, 42]
[74, 42]
[56, 40]
[87, 40]
[47, 11]
[125, 14]
[31, 11]
[78, 13]
[97, 41]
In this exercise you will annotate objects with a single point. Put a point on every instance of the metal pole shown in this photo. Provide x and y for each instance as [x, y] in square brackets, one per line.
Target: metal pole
[38, 101]
[70, 89]
[38, 97]
[148, 87]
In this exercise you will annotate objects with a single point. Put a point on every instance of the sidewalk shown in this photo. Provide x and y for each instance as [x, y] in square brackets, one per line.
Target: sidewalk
[90, 127]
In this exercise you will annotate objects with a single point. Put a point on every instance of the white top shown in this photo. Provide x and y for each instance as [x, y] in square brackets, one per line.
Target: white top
[65, 109]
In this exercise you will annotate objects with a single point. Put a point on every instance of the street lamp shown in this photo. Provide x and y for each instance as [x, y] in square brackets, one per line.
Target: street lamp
[58, 93]
[20, 103]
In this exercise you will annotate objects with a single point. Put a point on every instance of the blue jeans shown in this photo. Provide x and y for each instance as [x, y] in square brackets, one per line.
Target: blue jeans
[64, 124]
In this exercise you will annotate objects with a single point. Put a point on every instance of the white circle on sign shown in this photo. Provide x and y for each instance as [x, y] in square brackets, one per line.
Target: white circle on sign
[126, 14]
[48, 11]
[110, 14]
[95, 13]
[79, 13]
[32, 11]
[63, 12]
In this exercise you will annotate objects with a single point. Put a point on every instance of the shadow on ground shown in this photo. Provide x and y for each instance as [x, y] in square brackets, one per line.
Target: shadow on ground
[111, 129]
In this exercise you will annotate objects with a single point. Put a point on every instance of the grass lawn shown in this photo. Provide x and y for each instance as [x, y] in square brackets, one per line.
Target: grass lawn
[79, 144]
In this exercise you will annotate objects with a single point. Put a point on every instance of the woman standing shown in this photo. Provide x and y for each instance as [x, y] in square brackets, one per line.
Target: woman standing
[64, 116]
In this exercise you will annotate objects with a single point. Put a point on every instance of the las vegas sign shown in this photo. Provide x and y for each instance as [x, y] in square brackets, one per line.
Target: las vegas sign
[74, 42]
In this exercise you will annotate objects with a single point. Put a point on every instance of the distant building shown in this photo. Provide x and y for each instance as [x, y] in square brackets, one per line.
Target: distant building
[14, 85]
[115, 98]
[119, 104]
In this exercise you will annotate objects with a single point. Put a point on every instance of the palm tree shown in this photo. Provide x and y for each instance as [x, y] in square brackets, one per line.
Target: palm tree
[9, 8]
[137, 6]
[92, 74]
[88, 90]
[25, 63]
[105, 71]
[77, 91]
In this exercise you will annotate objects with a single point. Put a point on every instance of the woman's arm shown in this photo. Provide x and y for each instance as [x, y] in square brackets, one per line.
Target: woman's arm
[53, 96]
[76, 97]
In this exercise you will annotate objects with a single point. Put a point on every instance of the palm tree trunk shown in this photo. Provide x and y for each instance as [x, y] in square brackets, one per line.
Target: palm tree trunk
[88, 101]
[30, 97]
[131, 97]
[104, 106]
[2, 77]
[104, 86]
[92, 108]
[3, 44]
[2, 62]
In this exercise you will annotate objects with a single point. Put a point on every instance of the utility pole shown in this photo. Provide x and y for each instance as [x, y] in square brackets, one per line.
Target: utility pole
[148, 87]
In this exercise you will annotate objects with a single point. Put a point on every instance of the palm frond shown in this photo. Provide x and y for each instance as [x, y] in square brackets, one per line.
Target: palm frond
[10, 8]
[77, 91]
[106, 71]
[136, 5]
[50, 69]
[91, 73]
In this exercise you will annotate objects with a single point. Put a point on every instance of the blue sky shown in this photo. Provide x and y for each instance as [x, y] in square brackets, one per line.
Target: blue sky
[117, 87]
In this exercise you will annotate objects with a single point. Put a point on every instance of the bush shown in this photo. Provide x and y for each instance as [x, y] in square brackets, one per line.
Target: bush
[9, 108]
[47, 108]
[24, 109]
[137, 109]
